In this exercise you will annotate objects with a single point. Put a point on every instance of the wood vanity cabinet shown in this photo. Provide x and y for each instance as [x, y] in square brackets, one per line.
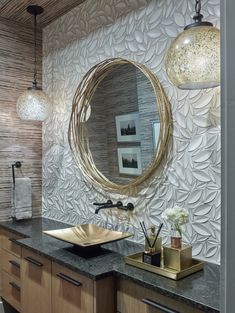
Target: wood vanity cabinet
[10, 268]
[11, 291]
[8, 242]
[75, 293]
[35, 283]
[32, 283]
[132, 298]
[48, 287]
[71, 292]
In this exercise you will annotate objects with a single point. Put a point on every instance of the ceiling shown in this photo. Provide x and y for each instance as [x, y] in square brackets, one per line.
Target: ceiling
[16, 10]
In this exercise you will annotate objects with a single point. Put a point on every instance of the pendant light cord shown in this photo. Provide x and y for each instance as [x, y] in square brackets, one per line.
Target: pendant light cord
[35, 50]
[35, 10]
[198, 6]
[198, 16]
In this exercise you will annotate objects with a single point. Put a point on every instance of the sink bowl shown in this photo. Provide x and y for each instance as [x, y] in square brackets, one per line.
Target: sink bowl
[87, 235]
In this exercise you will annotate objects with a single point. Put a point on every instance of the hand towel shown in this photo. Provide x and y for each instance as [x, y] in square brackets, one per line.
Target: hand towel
[22, 198]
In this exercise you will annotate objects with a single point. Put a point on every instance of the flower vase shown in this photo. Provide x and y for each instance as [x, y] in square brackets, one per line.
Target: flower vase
[176, 238]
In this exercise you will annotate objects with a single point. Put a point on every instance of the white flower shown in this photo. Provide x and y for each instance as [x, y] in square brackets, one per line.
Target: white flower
[177, 216]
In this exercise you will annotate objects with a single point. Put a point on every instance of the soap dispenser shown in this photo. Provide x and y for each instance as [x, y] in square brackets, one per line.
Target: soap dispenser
[151, 237]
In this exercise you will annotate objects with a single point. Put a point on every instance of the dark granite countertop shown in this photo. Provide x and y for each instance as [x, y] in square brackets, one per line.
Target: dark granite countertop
[200, 290]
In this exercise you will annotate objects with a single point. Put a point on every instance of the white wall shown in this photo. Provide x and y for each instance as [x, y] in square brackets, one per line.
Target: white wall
[103, 29]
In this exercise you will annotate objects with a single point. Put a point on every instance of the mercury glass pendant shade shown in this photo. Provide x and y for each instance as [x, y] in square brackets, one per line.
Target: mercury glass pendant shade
[193, 59]
[33, 104]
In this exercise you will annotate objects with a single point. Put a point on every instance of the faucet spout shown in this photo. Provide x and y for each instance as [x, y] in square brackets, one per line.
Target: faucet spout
[99, 208]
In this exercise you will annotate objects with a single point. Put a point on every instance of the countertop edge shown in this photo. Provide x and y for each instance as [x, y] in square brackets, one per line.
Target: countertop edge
[13, 231]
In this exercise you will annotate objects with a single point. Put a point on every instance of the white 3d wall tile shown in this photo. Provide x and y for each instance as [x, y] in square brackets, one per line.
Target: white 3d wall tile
[142, 32]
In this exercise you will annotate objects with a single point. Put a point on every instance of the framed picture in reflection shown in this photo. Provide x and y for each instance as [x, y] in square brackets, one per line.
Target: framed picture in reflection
[129, 161]
[127, 127]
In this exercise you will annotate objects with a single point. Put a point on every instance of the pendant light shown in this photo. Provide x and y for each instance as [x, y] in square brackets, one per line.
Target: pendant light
[34, 104]
[193, 59]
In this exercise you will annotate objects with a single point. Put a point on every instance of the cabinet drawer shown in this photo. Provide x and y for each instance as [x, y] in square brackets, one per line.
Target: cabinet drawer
[8, 243]
[11, 264]
[134, 298]
[35, 283]
[11, 290]
[71, 292]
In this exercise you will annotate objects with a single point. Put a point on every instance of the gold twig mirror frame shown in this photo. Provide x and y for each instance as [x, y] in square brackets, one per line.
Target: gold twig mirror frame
[78, 136]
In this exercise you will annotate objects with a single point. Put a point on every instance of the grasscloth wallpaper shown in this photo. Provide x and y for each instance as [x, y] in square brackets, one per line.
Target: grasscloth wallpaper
[140, 32]
[19, 140]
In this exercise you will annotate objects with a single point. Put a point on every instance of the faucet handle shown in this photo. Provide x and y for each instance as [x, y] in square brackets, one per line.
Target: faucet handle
[130, 206]
[119, 204]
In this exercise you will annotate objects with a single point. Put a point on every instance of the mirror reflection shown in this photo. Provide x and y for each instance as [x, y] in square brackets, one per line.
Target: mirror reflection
[123, 125]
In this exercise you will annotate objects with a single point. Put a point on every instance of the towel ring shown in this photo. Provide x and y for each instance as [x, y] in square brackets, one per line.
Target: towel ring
[17, 164]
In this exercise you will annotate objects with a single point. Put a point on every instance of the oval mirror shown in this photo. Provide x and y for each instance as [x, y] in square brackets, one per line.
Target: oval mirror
[120, 125]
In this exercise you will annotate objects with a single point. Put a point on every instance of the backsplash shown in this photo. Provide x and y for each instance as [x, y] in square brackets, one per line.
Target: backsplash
[141, 32]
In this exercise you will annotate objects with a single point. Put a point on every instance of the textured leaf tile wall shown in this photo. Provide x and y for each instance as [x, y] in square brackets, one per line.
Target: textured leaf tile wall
[142, 31]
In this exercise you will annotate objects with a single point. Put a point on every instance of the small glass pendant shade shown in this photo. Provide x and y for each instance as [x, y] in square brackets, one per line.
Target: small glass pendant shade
[193, 59]
[33, 105]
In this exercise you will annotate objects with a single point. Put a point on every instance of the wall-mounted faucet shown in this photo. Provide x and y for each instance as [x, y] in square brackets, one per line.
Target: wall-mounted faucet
[109, 204]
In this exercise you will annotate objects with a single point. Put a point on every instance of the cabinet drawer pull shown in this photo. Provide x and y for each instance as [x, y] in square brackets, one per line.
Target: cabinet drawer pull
[14, 285]
[69, 279]
[14, 263]
[33, 261]
[158, 306]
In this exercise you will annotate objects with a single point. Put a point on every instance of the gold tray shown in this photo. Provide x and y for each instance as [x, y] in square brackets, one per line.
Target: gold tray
[136, 260]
